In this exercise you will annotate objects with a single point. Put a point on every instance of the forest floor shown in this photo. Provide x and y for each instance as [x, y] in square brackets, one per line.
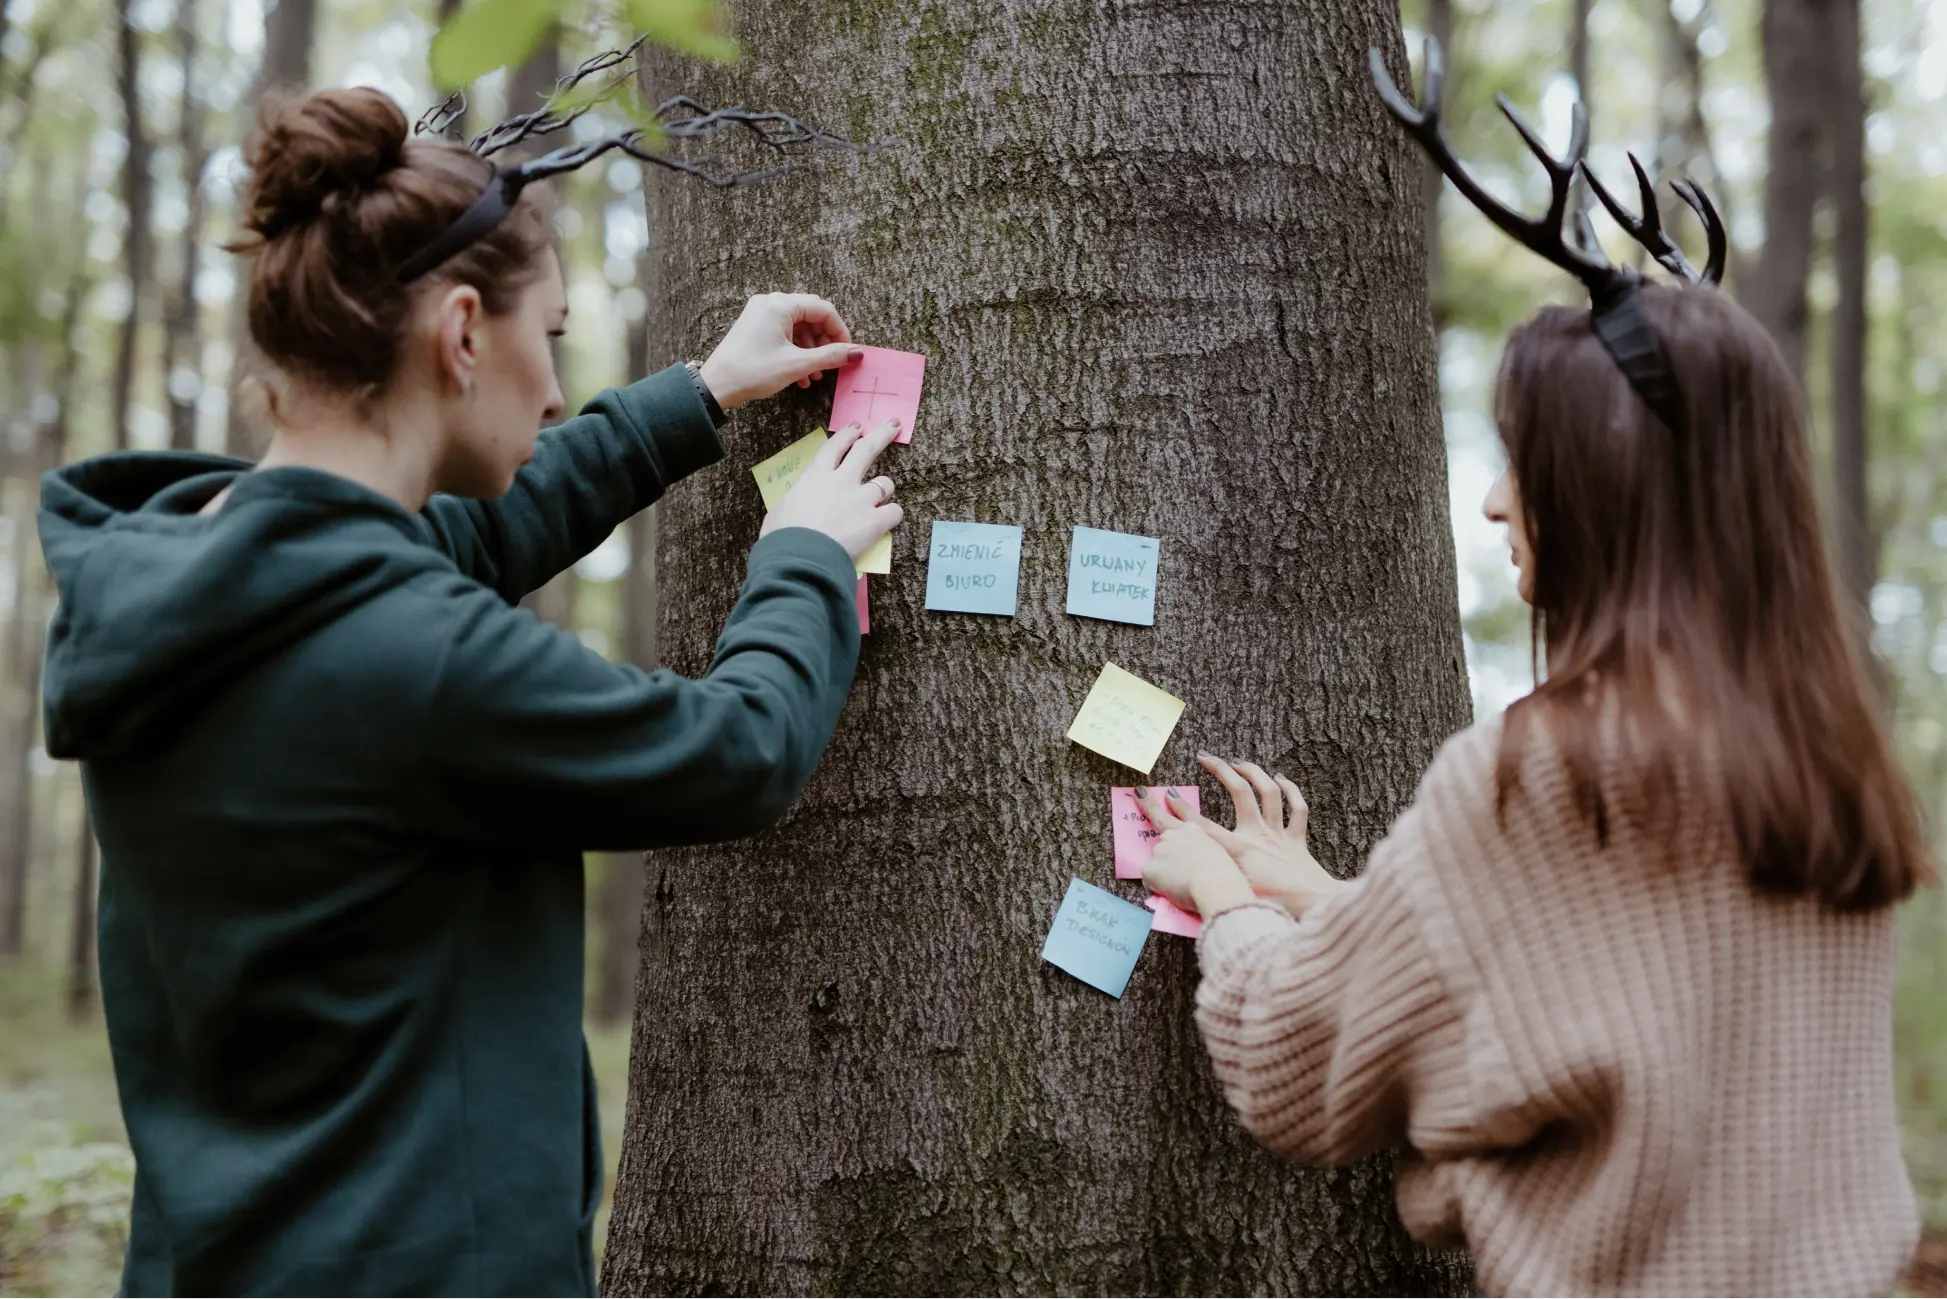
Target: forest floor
[65, 1170]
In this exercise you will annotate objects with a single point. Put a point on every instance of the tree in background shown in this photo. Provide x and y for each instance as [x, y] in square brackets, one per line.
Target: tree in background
[1166, 264]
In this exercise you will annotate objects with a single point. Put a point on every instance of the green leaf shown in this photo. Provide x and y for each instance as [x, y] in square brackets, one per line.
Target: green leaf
[486, 35]
[688, 26]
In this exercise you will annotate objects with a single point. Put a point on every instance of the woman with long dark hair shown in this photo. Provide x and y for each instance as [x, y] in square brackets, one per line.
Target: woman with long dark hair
[1619, 980]
[343, 784]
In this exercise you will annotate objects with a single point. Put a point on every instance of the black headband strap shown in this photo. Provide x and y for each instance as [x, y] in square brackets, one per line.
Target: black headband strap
[488, 211]
[1617, 316]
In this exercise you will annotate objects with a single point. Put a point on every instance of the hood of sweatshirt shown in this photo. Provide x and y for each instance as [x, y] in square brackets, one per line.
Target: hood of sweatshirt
[161, 606]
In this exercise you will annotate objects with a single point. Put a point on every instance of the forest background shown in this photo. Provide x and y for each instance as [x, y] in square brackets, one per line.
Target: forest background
[120, 127]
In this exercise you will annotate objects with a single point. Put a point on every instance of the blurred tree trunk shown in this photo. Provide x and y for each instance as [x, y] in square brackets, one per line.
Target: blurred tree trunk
[290, 31]
[183, 339]
[81, 930]
[621, 894]
[1683, 141]
[1795, 73]
[620, 902]
[852, 1074]
[27, 633]
[1433, 181]
[1857, 548]
[1578, 71]
[138, 256]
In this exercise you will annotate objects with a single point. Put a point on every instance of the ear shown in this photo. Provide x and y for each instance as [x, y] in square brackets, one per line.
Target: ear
[459, 315]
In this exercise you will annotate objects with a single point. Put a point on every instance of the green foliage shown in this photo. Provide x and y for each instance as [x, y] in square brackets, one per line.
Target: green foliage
[490, 34]
[687, 26]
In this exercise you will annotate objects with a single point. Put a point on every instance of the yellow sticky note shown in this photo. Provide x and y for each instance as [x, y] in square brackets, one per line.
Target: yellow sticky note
[1126, 718]
[878, 559]
[775, 476]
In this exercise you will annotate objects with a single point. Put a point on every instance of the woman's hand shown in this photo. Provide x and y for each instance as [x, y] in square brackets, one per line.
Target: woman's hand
[1268, 844]
[835, 497]
[1190, 868]
[781, 339]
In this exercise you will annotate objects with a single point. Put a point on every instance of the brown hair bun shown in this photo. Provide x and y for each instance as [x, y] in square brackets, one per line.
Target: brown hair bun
[312, 149]
[337, 199]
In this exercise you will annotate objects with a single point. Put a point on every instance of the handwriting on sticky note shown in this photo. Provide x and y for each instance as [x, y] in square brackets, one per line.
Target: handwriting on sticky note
[776, 475]
[865, 613]
[1097, 937]
[1112, 575]
[882, 384]
[1172, 919]
[973, 567]
[1126, 718]
[1135, 838]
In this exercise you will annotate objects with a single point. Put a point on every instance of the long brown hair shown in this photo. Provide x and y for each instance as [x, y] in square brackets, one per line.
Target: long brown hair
[337, 197]
[1682, 594]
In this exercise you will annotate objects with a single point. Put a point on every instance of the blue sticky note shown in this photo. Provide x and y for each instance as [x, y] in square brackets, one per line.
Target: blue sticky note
[1112, 575]
[973, 567]
[1097, 937]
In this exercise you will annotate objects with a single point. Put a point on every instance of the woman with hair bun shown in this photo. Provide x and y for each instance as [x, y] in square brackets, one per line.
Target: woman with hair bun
[342, 784]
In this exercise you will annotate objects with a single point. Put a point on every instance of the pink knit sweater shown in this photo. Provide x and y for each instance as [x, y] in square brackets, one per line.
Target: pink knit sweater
[1611, 1071]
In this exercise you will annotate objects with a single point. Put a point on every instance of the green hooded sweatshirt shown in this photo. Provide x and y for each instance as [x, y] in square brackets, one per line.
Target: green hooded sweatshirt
[342, 788]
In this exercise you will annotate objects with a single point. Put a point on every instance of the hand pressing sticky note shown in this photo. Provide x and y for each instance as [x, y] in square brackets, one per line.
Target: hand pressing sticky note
[1112, 575]
[776, 475]
[881, 385]
[1172, 919]
[865, 614]
[1135, 837]
[1097, 937]
[1126, 718]
[973, 567]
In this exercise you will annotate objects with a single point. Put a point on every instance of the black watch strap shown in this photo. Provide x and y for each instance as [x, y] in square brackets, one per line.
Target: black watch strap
[717, 416]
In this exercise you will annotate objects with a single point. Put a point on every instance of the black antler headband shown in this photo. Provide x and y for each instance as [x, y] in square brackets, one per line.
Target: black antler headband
[1615, 312]
[680, 118]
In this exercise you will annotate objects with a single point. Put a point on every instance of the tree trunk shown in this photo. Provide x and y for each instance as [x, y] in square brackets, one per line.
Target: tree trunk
[135, 199]
[1795, 70]
[1166, 263]
[29, 634]
[621, 894]
[1433, 181]
[1578, 71]
[183, 349]
[1852, 521]
[290, 30]
[81, 930]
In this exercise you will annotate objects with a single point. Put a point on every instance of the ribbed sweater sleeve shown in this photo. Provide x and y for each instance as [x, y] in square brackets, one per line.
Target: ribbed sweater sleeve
[1327, 1034]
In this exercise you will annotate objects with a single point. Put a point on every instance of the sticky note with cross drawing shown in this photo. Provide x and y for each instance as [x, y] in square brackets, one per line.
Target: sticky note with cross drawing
[775, 476]
[1126, 718]
[883, 383]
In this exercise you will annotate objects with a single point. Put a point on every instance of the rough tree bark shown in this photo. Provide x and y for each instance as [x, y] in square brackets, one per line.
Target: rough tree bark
[137, 248]
[1166, 263]
[183, 337]
[290, 31]
[1795, 72]
[1857, 552]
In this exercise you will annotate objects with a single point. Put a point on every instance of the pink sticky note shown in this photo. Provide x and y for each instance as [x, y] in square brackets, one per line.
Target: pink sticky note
[1172, 919]
[865, 615]
[1135, 837]
[883, 384]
